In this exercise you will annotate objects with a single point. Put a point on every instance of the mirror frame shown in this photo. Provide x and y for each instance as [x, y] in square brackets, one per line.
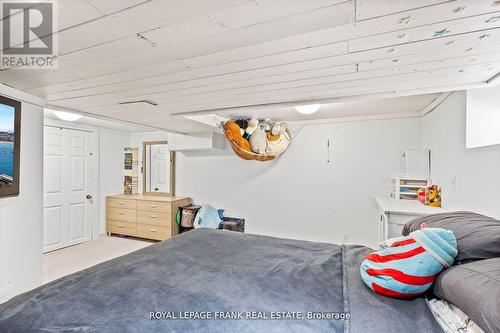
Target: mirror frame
[172, 169]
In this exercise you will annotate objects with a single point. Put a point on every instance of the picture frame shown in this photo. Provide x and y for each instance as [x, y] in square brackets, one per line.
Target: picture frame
[10, 146]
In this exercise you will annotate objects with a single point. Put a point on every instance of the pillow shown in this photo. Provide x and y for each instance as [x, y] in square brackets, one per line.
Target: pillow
[409, 266]
[475, 289]
[478, 236]
[451, 318]
[390, 241]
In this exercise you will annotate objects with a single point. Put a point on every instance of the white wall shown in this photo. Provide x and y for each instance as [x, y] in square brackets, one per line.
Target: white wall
[21, 218]
[300, 195]
[469, 178]
[111, 146]
[483, 117]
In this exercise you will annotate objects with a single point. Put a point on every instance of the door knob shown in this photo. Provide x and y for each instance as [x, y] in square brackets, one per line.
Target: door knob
[88, 196]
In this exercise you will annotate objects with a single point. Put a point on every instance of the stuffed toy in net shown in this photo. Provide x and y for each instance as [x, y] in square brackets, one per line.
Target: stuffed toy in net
[257, 140]
[409, 266]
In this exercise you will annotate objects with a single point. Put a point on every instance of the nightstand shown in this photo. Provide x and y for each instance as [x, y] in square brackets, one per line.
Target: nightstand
[394, 214]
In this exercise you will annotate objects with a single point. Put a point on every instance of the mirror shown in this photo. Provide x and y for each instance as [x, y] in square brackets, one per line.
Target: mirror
[158, 164]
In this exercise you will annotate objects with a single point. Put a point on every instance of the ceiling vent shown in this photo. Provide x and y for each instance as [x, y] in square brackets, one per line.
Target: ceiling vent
[139, 102]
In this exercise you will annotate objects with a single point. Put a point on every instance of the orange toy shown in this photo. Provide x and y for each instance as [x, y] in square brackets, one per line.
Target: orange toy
[233, 133]
[433, 196]
[271, 137]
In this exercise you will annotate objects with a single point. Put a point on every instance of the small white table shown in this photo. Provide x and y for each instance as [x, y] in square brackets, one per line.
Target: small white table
[394, 214]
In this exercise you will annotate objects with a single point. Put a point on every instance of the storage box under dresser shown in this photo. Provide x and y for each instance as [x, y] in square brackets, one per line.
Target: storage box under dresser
[144, 216]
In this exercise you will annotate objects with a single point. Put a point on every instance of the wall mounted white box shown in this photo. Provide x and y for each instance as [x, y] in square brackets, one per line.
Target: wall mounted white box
[197, 142]
[483, 117]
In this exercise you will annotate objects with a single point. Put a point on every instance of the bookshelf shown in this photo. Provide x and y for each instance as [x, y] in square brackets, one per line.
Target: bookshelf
[131, 171]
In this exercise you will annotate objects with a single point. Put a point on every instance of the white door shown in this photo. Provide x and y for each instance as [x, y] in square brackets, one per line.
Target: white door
[160, 168]
[67, 187]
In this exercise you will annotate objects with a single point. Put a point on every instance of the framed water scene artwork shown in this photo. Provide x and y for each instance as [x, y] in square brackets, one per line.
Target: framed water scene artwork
[10, 146]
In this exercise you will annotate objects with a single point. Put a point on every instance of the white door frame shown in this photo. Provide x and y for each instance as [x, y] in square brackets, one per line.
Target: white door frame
[94, 228]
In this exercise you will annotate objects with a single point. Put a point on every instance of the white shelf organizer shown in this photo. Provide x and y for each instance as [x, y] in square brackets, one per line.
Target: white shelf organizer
[407, 188]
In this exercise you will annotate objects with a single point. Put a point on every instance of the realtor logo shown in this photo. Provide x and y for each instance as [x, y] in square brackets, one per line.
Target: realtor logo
[29, 35]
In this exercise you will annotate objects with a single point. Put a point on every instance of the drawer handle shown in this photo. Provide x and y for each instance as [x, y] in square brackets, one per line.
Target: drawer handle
[121, 226]
[153, 206]
[121, 203]
[121, 213]
[153, 216]
[152, 230]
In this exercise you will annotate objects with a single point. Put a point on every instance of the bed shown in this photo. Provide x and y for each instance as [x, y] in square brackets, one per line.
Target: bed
[197, 280]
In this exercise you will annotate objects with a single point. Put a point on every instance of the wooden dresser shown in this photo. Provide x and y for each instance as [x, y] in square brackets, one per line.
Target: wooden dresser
[144, 216]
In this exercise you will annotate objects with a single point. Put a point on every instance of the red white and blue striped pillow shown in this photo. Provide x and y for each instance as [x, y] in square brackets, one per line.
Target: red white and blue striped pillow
[409, 266]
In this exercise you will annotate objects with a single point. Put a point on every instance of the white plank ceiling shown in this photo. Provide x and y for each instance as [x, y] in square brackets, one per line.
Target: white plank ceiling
[211, 56]
[372, 108]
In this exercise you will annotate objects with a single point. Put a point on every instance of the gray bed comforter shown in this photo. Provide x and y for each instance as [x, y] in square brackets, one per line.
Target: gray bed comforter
[218, 274]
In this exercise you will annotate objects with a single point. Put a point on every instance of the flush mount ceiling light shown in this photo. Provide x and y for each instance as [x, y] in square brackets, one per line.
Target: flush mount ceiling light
[67, 116]
[307, 109]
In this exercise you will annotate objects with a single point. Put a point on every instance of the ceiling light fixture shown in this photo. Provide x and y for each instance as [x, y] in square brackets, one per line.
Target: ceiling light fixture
[307, 109]
[67, 116]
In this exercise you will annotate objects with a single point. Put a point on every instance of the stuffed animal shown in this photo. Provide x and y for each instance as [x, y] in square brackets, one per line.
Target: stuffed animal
[421, 195]
[258, 139]
[233, 133]
[409, 266]
[243, 124]
[278, 139]
[251, 126]
[433, 196]
[277, 128]
[270, 138]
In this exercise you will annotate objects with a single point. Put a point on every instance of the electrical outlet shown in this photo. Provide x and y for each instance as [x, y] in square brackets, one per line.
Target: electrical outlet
[345, 237]
[454, 183]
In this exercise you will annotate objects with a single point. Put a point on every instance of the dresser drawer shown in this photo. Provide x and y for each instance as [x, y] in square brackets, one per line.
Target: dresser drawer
[153, 232]
[121, 203]
[154, 218]
[154, 206]
[122, 215]
[117, 227]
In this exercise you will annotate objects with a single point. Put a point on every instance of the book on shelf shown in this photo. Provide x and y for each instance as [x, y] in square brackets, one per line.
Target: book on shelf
[131, 171]
[407, 188]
